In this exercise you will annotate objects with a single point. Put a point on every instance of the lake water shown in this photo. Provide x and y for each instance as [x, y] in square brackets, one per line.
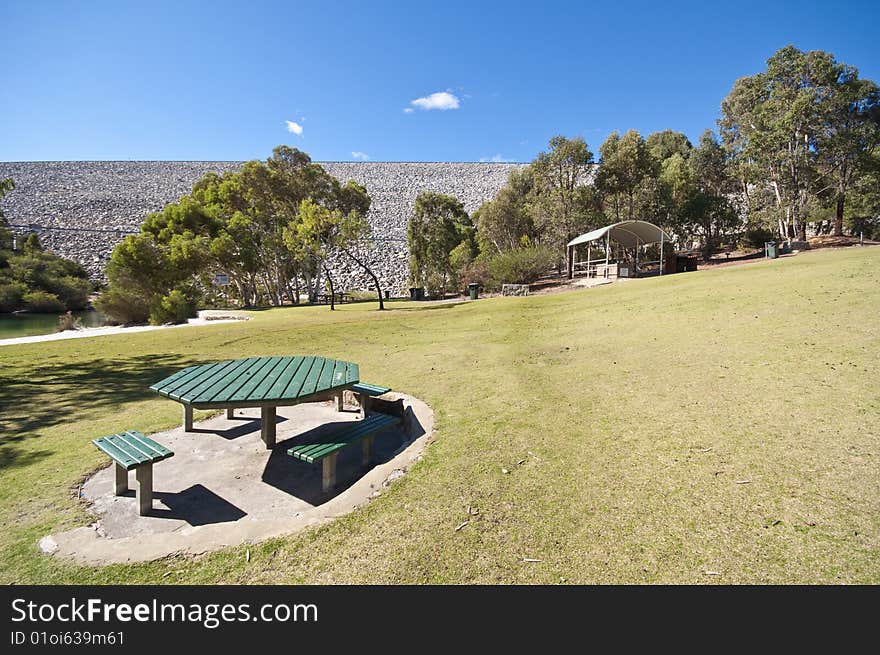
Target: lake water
[26, 325]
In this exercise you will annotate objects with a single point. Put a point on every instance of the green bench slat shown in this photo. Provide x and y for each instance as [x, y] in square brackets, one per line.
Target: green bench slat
[317, 450]
[352, 373]
[131, 449]
[370, 389]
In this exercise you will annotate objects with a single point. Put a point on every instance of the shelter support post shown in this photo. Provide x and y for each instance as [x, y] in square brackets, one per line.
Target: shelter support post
[662, 259]
[570, 251]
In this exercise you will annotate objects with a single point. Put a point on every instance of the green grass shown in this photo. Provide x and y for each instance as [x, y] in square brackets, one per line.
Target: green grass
[653, 430]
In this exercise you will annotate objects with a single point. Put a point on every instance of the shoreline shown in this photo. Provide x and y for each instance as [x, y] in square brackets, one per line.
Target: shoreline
[202, 319]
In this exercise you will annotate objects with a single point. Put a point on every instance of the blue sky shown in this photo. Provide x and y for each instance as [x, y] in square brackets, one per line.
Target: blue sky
[226, 80]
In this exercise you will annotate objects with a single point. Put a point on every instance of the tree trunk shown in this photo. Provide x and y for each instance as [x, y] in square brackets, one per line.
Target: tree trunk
[838, 214]
[332, 292]
[371, 274]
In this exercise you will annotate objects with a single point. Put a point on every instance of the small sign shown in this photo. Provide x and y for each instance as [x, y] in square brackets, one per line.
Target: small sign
[221, 279]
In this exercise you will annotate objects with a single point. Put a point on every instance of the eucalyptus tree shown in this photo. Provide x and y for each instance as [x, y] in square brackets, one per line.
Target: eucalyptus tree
[505, 222]
[562, 204]
[803, 126]
[438, 224]
[625, 177]
[848, 136]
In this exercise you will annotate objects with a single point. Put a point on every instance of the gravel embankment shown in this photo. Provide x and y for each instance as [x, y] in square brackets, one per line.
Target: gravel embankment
[81, 210]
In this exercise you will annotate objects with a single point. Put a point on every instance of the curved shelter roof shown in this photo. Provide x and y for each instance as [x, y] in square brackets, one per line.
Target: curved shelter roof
[627, 233]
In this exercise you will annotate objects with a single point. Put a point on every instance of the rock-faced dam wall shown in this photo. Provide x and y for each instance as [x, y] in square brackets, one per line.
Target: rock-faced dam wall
[81, 210]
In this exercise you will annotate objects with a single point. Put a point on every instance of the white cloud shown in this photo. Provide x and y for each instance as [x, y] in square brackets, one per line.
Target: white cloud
[408, 110]
[357, 154]
[442, 101]
[296, 128]
[495, 159]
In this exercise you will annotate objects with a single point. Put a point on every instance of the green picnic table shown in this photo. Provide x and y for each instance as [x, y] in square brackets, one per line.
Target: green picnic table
[264, 382]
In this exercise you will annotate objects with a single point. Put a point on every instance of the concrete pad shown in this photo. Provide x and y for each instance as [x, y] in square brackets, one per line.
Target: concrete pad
[223, 487]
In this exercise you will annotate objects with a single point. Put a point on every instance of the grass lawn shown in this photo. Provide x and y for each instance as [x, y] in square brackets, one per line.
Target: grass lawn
[720, 426]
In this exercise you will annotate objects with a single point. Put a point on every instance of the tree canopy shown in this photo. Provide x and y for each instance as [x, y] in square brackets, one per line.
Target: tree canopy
[270, 227]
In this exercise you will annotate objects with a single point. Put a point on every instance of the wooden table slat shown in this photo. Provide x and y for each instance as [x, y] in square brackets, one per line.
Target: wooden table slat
[258, 381]
[281, 375]
[205, 374]
[221, 390]
[311, 383]
[195, 373]
[353, 373]
[326, 380]
[226, 373]
[294, 388]
[171, 379]
[273, 366]
[277, 387]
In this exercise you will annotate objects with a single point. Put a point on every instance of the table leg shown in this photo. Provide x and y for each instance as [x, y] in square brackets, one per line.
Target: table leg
[339, 403]
[329, 477]
[187, 418]
[267, 426]
[144, 476]
[121, 480]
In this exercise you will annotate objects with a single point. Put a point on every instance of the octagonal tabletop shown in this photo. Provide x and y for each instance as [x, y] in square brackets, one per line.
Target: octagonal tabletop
[257, 381]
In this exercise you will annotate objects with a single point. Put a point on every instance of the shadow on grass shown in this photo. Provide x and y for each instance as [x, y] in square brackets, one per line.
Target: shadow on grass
[415, 307]
[63, 393]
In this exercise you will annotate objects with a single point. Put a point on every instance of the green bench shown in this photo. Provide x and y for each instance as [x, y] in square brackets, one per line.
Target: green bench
[326, 448]
[363, 392]
[132, 450]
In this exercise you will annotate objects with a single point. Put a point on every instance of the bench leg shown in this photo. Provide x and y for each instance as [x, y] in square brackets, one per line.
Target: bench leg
[267, 426]
[187, 418]
[329, 477]
[121, 480]
[230, 413]
[144, 476]
[339, 404]
[367, 444]
[364, 402]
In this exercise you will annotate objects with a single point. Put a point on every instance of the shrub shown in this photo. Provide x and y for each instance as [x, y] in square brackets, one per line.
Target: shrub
[362, 294]
[123, 307]
[72, 291]
[756, 236]
[520, 266]
[67, 321]
[436, 285]
[42, 302]
[11, 295]
[173, 307]
[475, 272]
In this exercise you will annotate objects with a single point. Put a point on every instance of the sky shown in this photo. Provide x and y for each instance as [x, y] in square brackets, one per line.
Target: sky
[385, 81]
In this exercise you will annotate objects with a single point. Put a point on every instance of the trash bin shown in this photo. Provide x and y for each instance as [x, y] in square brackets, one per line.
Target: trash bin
[387, 294]
[416, 293]
[772, 252]
[473, 289]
